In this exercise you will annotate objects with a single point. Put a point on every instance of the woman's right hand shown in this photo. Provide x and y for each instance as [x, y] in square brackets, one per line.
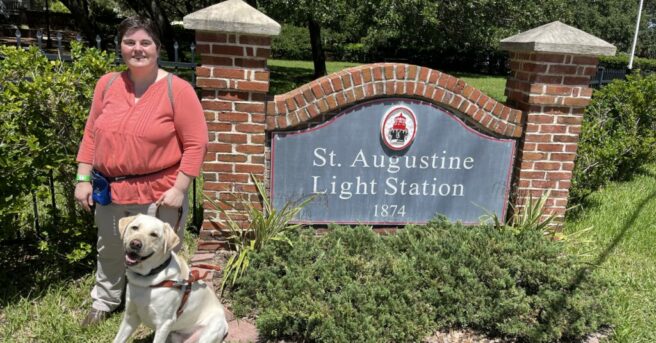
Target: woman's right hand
[83, 195]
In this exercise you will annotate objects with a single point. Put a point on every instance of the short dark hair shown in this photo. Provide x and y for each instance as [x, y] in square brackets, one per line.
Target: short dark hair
[135, 23]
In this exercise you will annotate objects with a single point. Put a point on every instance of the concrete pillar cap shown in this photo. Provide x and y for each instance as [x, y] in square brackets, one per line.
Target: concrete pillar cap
[557, 37]
[232, 16]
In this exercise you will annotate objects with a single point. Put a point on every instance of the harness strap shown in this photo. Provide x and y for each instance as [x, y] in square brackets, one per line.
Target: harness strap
[169, 82]
[109, 83]
[185, 285]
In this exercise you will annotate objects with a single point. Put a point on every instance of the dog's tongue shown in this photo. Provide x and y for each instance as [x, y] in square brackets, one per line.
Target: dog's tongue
[131, 259]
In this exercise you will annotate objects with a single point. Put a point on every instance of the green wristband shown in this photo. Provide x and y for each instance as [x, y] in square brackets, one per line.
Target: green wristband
[85, 178]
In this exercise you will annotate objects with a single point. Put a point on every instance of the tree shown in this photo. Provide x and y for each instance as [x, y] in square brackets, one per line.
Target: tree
[451, 34]
[84, 18]
[162, 13]
[314, 14]
[647, 38]
[610, 20]
[3, 10]
[88, 16]
[152, 10]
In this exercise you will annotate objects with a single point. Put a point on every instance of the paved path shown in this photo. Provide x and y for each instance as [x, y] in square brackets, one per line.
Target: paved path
[240, 330]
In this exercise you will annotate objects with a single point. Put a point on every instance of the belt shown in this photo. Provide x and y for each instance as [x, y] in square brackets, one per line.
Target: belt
[127, 177]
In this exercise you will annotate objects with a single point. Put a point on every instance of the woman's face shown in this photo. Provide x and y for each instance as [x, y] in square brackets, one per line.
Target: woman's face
[139, 50]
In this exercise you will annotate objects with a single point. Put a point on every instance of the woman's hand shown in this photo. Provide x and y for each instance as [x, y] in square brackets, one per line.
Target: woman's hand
[176, 195]
[83, 195]
[172, 198]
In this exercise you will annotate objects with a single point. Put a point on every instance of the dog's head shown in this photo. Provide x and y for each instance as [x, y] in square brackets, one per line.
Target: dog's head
[147, 240]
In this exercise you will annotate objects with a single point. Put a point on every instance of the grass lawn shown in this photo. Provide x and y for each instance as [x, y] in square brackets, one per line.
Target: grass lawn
[493, 86]
[622, 241]
[287, 75]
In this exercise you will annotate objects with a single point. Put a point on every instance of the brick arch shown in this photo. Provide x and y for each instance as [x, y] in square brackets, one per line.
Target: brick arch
[354, 85]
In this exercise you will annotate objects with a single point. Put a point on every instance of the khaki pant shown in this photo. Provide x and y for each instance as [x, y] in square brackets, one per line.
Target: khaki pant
[110, 273]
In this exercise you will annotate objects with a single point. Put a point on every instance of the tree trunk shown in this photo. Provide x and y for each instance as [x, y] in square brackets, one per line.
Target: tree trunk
[318, 55]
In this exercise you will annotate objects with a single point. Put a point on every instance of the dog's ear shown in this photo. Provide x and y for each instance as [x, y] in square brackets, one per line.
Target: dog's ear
[123, 224]
[171, 238]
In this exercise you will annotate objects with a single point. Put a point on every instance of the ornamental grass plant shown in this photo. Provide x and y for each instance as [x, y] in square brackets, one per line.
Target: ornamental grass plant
[267, 225]
[531, 216]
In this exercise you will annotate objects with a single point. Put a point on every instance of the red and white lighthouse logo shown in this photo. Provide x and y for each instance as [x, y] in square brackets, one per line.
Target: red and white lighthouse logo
[398, 128]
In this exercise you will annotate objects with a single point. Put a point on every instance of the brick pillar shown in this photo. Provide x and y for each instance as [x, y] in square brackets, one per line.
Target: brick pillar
[234, 80]
[551, 68]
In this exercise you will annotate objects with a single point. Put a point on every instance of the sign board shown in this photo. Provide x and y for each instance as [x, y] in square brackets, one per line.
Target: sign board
[392, 162]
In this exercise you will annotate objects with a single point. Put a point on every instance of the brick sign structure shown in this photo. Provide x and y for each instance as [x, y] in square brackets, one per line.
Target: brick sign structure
[391, 161]
[547, 93]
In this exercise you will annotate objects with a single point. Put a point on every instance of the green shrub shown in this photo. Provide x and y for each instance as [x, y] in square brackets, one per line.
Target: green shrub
[352, 285]
[621, 61]
[43, 108]
[352, 52]
[293, 43]
[618, 134]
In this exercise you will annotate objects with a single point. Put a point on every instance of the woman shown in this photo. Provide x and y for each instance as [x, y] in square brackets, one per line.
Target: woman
[147, 133]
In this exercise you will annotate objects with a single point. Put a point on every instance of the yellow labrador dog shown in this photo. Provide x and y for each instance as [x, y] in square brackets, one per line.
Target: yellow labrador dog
[156, 283]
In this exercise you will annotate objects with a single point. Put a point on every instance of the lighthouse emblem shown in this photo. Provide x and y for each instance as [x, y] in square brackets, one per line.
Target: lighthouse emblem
[398, 128]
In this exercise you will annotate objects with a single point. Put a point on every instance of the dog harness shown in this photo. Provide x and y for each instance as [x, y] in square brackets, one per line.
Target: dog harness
[185, 285]
[194, 274]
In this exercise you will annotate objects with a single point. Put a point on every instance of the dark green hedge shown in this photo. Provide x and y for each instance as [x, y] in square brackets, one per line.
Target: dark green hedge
[622, 61]
[353, 285]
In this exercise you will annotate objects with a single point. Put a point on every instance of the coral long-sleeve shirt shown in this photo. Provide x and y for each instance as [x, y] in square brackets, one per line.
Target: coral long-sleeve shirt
[122, 137]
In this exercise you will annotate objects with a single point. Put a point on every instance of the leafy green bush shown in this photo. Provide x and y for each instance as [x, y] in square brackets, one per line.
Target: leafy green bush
[352, 285]
[618, 134]
[293, 43]
[621, 61]
[351, 52]
[43, 108]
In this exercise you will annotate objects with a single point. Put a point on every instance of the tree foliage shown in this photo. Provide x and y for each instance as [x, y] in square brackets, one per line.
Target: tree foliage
[610, 20]
[92, 17]
[43, 108]
[102, 17]
[315, 15]
[442, 34]
[457, 34]
[427, 32]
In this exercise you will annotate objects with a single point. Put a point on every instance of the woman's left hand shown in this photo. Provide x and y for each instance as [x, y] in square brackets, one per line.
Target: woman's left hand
[172, 198]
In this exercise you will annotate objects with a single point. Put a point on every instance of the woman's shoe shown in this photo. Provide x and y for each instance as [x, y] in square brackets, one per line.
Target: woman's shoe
[94, 317]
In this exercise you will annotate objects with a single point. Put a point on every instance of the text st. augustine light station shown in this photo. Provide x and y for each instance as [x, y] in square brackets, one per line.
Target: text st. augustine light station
[392, 161]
